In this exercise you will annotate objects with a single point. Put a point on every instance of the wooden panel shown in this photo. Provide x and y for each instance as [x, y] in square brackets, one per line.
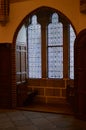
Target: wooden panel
[46, 82]
[80, 75]
[5, 76]
[52, 92]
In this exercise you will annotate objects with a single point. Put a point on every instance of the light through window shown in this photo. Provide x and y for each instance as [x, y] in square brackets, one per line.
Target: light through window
[49, 47]
[72, 38]
[55, 48]
[34, 49]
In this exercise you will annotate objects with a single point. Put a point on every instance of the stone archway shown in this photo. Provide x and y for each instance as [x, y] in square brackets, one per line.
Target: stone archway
[14, 94]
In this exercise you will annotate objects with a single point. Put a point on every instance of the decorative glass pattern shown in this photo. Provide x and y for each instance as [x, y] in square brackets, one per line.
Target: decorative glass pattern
[34, 49]
[72, 38]
[55, 65]
[55, 48]
[21, 53]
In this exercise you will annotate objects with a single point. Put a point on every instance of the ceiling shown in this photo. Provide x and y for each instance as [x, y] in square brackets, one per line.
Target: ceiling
[12, 1]
[82, 4]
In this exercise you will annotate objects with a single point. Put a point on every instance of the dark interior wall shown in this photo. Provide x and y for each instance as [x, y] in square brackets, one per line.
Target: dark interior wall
[80, 75]
[5, 75]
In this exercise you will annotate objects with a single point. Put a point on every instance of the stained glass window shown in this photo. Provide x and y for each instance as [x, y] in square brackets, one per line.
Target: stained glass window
[48, 50]
[55, 48]
[34, 49]
[72, 38]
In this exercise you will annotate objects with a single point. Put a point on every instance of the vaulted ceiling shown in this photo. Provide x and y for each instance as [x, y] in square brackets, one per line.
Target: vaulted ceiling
[82, 4]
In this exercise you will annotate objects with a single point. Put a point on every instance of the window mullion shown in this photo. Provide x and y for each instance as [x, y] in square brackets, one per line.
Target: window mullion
[65, 50]
[44, 21]
[44, 53]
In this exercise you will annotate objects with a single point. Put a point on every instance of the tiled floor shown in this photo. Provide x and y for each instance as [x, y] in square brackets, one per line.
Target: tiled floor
[60, 108]
[28, 120]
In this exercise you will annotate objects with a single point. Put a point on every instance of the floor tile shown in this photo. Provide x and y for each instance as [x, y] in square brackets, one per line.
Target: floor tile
[30, 120]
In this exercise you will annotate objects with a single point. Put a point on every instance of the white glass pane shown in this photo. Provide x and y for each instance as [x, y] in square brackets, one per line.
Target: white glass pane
[34, 49]
[55, 62]
[55, 32]
[55, 48]
[72, 38]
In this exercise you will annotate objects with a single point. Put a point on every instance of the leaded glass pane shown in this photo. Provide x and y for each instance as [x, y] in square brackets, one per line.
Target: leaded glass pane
[34, 49]
[72, 38]
[55, 32]
[55, 48]
[55, 62]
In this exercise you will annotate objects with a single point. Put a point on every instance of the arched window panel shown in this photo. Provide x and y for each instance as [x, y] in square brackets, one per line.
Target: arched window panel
[72, 38]
[34, 49]
[55, 31]
[21, 56]
[55, 48]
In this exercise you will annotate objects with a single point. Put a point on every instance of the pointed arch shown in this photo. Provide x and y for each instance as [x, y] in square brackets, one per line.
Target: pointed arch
[42, 11]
